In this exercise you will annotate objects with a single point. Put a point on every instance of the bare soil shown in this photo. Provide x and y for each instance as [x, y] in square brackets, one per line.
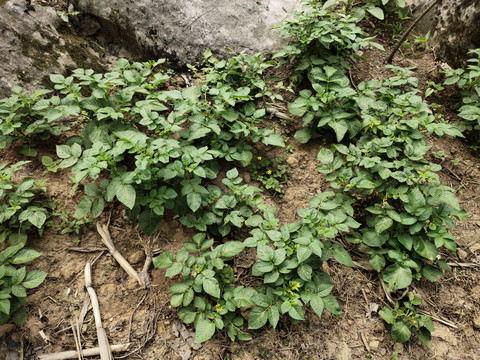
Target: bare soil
[144, 317]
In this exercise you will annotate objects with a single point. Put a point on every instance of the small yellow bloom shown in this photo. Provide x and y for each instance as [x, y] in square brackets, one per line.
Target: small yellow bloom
[218, 308]
[294, 285]
[259, 158]
[269, 172]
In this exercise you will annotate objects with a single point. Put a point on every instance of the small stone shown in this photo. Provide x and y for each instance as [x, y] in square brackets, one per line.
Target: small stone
[374, 345]
[476, 322]
[292, 161]
[475, 247]
[137, 257]
[462, 254]
[398, 348]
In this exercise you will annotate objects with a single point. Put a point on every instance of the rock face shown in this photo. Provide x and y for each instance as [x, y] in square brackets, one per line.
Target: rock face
[454, 26]
[31, 48]
[181, 30]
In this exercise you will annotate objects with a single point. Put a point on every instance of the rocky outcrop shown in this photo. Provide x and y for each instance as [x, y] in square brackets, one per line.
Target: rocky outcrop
[31, 47]
[181, 30]
[454, 27]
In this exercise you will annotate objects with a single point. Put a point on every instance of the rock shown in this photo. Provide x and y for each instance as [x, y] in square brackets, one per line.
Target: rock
[32, 47]
[475, 247]
[476, 322]
[292, 161]
[462, 254]
[453, 25]
[182, 29]
[374, 345]
[398, 348]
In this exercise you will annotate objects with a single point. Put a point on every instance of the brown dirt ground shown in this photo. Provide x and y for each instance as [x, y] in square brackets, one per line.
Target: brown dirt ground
[145, 318]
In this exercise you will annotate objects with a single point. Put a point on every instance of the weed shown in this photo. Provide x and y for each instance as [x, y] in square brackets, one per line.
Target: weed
[272, 174]
[405, 321]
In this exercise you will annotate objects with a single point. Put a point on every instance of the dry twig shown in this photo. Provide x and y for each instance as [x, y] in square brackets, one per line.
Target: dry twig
[105, 353]
[87, 352]
[107, 240]
[440, 320]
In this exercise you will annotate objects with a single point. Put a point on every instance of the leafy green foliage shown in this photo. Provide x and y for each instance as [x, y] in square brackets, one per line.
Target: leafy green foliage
[272, 174]
[155, 147]
[405, 321]
[20, 212]
[24, 116]
[406, 209]
[468, 81]
[20, 215]
[290, 260]
[14, 282]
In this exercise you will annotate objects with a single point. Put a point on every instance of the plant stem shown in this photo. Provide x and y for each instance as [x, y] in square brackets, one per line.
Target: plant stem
[400, 42]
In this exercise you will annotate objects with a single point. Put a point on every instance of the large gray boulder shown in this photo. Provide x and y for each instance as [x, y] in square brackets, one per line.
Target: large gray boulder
[31, 47]
[454, 27]
[181, 30]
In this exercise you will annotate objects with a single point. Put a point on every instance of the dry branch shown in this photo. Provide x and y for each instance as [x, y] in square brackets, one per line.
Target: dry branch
[107, 240]
[105, 352]
[86, 352]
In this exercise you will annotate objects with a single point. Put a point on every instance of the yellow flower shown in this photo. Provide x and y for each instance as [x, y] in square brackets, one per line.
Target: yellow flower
[269, 172]
[294, 285]
[259, 158]
[218, 308]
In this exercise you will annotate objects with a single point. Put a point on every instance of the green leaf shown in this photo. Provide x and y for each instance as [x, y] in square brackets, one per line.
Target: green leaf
[377, 12]
[20, 316]
[265, 252]
[406, 240]
[274, 139]
[325, 156]
[204, 330]
[425, 248]
[211, 287]
[397, 277]
[425, 336]
[387, 314]
[149, 221]
[5, 306]
[257, 317]
[24, 256]
[331, 304]
[400, 332]
[303, 135]
[378, 262]
[382, 223]
[174, 269]
[231, 248]
[316, 303]
[19, 291]
[179, 288]
[34, 278]
[126, 194]
[329, 3]
[431, 273]
[340, 128]
[98, 205]
[165, 259]
[10, 251]
[296, 312]
[64, 151]
[37, 218]
[305, 271]
[194, 201]
[416, 202]
[273, 316]
[303, 253]
[342, 256]
[83, 208]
